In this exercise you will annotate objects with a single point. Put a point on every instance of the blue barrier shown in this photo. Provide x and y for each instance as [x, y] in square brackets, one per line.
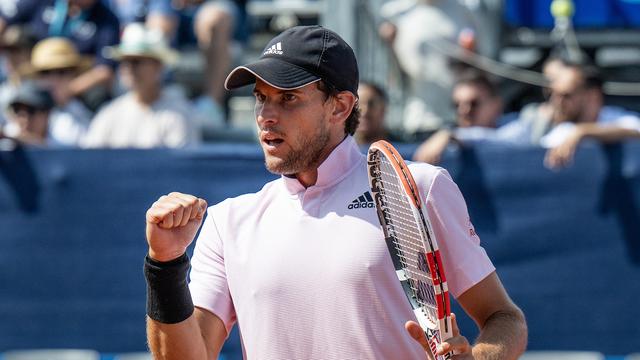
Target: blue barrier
[589, 14]
[566, 243]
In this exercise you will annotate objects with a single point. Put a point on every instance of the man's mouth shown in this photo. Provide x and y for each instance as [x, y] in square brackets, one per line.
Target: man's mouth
[271, 138]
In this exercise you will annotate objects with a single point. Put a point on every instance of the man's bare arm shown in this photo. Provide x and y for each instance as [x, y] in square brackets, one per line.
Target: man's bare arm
[503, 329]
[562, 155]
[177, 330]
[199, 337]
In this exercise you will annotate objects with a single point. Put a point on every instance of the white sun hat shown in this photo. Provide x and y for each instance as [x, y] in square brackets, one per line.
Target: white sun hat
[139, 41]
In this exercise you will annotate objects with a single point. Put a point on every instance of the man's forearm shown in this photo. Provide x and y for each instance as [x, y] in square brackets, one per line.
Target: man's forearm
[98, 75]
[503, 336]
[607, 134]
[176, 341]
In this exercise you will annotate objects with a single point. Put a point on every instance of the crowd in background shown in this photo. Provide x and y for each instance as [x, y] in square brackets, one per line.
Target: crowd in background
[97, 73]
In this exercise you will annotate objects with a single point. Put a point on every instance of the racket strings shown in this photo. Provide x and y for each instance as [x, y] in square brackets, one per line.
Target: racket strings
[407, 238]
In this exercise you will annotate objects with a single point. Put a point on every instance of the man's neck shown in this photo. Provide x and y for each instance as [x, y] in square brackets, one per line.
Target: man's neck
[309, 177]
[148, 97]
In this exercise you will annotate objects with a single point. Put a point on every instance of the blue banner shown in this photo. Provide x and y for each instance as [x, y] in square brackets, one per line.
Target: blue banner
[566, 243]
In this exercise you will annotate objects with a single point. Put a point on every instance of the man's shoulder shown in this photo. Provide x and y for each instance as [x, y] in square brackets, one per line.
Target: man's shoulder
[123, 101]
[424, 174]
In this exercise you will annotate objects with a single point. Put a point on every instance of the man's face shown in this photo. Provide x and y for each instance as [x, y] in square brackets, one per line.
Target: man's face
[16, 56]
[140, 72]
[30, 120]
[292, 127]
[568, 95]
[372, 112]
[475, 106]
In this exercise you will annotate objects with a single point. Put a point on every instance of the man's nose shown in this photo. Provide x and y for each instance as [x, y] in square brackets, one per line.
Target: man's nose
[266, 113]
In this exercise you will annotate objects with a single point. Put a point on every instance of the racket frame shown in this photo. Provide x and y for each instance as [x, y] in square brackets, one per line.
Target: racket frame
[429, 243]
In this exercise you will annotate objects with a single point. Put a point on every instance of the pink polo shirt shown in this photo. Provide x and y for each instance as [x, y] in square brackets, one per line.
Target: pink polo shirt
[306, 273]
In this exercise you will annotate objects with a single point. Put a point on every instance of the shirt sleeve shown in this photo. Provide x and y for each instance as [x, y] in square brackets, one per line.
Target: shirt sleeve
[161, 7]
[465, 262]
[208, 278]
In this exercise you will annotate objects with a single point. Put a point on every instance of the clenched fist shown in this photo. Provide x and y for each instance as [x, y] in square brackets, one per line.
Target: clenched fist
[172, 223]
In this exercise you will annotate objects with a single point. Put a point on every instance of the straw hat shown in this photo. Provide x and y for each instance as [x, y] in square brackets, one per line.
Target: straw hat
[138, 41]
[56, 53]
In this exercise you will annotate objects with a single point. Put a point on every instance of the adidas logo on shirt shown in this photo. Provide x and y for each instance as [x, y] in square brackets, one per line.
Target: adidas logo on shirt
[274, 49]
[363, 201]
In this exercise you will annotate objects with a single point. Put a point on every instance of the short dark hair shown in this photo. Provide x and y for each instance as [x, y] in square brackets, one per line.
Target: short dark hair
[377, 89]
[351, 124]
[477, 78]
[591, 74]
[592, 77]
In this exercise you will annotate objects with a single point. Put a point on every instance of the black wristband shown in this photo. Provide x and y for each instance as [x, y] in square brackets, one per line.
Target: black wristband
[168, 297]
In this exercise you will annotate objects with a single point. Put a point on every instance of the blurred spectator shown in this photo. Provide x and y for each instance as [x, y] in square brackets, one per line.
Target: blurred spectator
[28, 115]
[221, 30]
[54, 64]
[579, 113]
[479, 112]
[148, 115]
[412, 27]
[90, 26]
[156, 14]
[372, 100]
[537, 115]
[16, 43]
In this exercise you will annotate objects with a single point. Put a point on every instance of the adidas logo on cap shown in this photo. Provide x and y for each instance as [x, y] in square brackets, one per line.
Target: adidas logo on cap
[274, 49]
[363, 201]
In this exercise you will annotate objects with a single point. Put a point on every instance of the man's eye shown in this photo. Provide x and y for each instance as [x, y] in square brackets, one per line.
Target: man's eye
[259, 97]
[288, 97]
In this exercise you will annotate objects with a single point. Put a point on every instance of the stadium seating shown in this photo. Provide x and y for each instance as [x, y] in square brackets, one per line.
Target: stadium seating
[133, 356]
[52, 354]
[562, 355]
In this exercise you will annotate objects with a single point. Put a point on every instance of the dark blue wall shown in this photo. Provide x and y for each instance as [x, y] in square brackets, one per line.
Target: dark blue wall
[566, 243]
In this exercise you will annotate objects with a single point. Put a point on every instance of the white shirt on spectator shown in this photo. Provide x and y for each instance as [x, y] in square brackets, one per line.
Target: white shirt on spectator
[127, 123]
[68, 125]
[420, 26]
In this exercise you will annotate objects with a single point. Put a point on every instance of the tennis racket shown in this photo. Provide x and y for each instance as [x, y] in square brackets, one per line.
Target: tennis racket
[411, 242]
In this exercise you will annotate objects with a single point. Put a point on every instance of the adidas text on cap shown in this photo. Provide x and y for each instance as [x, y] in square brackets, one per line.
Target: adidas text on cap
[299, 56]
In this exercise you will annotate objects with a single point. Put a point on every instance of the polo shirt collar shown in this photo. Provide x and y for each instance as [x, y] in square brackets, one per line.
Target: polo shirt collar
[335, 167]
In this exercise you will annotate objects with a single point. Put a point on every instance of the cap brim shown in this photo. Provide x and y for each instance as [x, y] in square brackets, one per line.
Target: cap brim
[166, 56]
[277, 73]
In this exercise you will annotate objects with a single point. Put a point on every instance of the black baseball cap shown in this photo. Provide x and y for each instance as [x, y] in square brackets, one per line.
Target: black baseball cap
[299, 56]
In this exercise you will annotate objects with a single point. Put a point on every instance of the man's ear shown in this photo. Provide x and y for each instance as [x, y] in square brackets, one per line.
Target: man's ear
[343, 103]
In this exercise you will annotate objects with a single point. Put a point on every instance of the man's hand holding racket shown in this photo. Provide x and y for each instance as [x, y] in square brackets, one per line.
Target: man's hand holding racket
[458, 344]
[172, 223]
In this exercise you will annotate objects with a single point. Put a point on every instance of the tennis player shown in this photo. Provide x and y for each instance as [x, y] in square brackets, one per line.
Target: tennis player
[302, 266]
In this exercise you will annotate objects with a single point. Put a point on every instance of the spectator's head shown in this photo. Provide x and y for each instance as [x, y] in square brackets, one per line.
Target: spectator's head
[55, 62]
[476, 100]
[552, 67]
[82, 4]
[16, 43]
[143, 55]
[29, 110]
[373, 105]
[576, 93]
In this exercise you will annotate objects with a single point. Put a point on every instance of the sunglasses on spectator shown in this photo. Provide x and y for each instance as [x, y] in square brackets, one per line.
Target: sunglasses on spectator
[58, 72]
[134, 62]
[20, 109]
[473, 104]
